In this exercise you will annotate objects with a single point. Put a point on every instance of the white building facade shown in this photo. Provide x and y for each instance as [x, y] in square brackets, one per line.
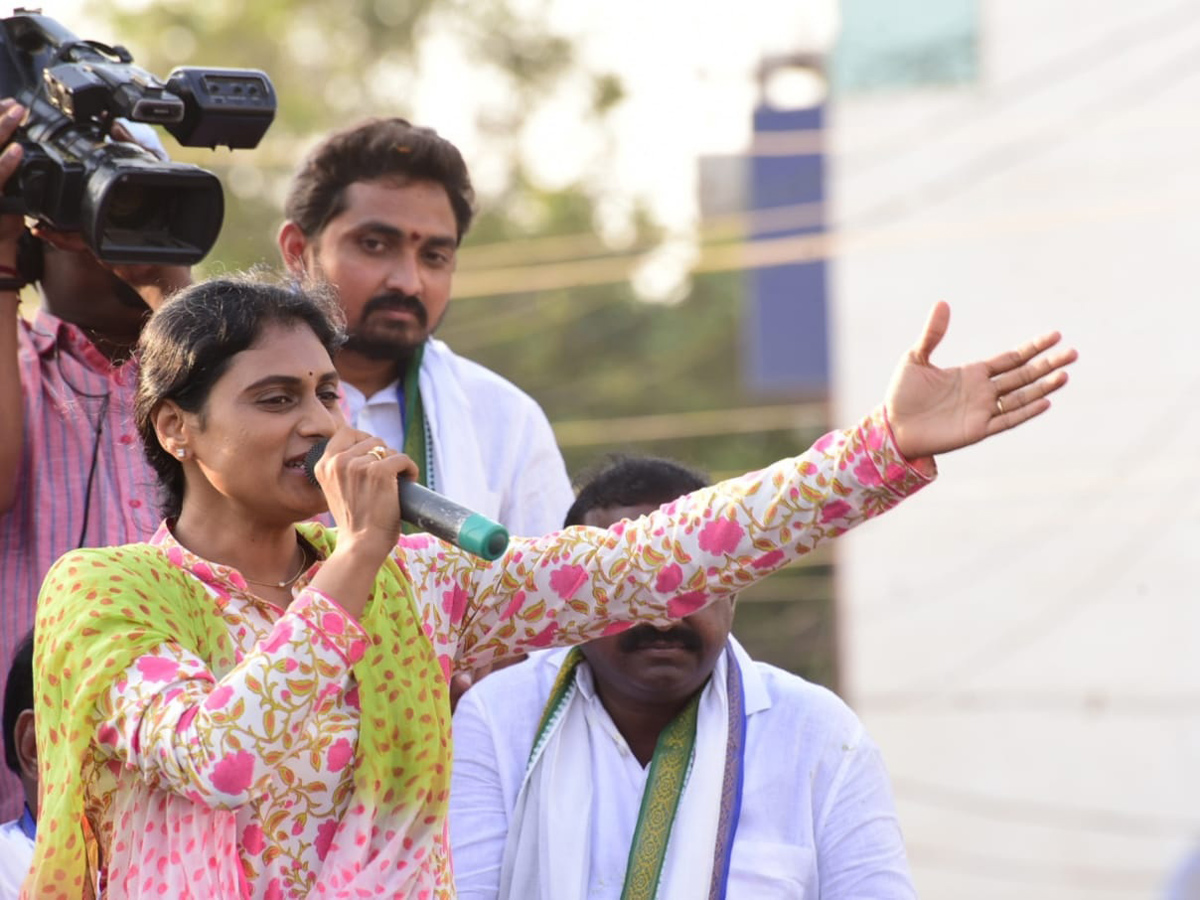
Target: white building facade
[1023, 639]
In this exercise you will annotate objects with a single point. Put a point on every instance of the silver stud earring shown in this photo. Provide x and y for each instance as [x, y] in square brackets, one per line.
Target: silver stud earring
[180, 452]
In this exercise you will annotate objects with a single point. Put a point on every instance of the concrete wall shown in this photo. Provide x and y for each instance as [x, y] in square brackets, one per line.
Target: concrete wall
[1022, 639]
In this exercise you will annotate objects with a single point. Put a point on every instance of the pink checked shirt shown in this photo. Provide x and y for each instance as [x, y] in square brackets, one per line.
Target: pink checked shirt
[70, 391]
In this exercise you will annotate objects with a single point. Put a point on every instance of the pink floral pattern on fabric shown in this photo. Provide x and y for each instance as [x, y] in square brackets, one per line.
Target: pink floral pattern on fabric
[721, 537]
[238, 782]
[234, 773]
[668, 579]
[339, 754]
[686, 604]
[566, 580]
[866, 473]
[454, 602]
[154, 669]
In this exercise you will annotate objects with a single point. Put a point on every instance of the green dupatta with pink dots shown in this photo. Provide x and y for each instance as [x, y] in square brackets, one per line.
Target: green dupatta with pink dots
[100, 609]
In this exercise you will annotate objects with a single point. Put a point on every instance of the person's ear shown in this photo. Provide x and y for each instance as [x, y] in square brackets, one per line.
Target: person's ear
[26, 744]
[292, 247]
[173, 428]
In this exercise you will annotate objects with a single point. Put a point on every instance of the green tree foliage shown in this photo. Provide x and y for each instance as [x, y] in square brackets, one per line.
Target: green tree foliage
[332, 64]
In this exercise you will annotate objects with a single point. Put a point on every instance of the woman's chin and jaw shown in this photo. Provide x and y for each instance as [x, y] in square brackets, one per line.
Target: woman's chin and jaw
[272, 507]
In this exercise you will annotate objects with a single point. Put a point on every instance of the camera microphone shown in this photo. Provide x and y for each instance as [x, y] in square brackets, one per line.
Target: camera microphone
[431, 512]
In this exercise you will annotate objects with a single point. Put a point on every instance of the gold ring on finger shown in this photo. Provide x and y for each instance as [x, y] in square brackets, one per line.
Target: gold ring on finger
[1000, 405]
[378, 452]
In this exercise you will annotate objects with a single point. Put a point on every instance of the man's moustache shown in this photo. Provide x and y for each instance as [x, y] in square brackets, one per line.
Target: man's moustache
[398, 303]
[641, 636]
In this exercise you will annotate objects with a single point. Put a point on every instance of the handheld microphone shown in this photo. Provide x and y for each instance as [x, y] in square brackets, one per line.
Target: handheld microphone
[441, 517]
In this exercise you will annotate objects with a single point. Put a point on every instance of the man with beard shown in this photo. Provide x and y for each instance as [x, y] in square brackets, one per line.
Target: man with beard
[378, 211]
[72, 471]
[665, 762]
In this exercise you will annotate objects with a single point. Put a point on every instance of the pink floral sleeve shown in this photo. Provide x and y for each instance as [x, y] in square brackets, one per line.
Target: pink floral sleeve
[581, 583]
[210, 739]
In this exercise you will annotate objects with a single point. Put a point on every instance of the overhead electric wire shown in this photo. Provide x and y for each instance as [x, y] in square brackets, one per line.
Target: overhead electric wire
[822, 246]
[956, 231]
[699, 423]
[589, 245]
[771, 252]
[889, 149]
[512, 278]
[1060, 70]
[515, 327]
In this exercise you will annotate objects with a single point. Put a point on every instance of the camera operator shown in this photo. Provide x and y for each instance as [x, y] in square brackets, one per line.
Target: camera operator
[72, 471]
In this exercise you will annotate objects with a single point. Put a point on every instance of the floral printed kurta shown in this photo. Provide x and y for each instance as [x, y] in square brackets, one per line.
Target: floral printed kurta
[187, 764]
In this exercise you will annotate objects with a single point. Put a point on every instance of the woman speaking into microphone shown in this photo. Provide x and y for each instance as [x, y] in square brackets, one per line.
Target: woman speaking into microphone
[253, 705]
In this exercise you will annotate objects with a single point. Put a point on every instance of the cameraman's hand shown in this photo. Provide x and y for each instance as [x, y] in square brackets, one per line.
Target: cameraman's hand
[153, 283]
[12, 224]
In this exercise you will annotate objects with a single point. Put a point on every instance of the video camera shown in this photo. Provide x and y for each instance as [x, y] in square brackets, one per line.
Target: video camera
[130, 206]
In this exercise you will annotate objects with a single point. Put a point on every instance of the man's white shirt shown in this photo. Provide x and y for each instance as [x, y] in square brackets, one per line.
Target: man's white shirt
[16, 854]
[817, 816]
[378, 414]
[493, 449]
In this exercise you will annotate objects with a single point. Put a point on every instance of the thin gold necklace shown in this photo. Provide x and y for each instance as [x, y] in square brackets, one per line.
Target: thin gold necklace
[287, 582]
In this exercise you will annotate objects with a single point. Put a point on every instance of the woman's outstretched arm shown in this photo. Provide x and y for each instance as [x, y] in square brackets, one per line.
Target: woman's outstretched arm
[581, 583]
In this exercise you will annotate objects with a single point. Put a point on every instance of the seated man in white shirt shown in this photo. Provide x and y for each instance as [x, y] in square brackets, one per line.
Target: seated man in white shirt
[20, 753]
[666, 763]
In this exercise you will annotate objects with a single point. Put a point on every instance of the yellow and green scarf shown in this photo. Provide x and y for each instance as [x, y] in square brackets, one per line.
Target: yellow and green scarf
[100, 609]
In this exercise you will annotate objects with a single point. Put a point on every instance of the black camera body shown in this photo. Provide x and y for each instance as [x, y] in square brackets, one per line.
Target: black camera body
[130, 206]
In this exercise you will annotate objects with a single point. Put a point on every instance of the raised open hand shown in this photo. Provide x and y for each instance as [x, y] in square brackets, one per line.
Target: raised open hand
[936, 410]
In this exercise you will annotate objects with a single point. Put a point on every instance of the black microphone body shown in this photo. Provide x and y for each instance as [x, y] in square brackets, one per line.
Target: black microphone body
[429, 511]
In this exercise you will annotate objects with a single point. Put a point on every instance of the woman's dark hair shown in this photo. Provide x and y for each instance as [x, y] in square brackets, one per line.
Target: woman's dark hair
[188, 343]
[18, 697]
[632, 481]
[376, 150]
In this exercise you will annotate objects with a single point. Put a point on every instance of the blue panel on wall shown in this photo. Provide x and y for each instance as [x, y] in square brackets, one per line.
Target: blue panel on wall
[786, 326]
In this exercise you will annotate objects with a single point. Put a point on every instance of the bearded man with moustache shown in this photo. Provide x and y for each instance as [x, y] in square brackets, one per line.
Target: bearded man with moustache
[665, 762]
[378, 212]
